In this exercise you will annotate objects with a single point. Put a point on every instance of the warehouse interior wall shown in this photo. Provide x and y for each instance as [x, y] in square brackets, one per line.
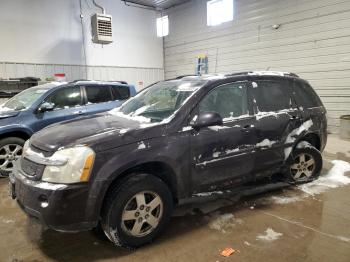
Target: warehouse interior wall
[313, 41]
[43, 37]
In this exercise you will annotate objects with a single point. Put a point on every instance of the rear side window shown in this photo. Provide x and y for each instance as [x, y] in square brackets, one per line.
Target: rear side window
[120, 92]
[98, 94]
[305, 96]
[272, 95]
[65, 98]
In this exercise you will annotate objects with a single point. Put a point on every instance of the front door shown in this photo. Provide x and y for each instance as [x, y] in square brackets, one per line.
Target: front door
[67, 104]
[222, 156]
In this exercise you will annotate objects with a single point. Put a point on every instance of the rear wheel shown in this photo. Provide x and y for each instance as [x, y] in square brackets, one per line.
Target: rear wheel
[306, 164]
[10, 151]
[137, 211]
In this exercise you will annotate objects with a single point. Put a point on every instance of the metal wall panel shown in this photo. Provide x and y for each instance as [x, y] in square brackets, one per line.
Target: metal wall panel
[313, 40]
[140, 77]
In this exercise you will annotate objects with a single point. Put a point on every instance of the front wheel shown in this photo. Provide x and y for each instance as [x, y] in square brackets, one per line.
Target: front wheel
[137, 211]
[306, 164]
[10, 151]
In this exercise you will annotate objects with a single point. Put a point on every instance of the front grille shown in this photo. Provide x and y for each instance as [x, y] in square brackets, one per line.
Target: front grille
[32, 169]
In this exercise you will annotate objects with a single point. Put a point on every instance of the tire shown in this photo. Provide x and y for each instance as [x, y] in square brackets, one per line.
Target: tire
[305, 165]
[10, 151]
[122, 213]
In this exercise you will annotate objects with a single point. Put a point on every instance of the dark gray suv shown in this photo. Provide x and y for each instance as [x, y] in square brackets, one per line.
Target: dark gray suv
[176, 141]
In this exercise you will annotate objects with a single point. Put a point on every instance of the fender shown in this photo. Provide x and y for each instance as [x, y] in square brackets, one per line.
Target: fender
[15, 128]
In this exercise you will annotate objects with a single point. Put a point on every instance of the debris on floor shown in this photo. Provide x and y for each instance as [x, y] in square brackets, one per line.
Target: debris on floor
[223, 222]
[228, 251]
[270, 235]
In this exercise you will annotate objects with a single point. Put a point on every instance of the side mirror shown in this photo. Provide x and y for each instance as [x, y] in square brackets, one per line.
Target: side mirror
[46, 107]
[207, 119]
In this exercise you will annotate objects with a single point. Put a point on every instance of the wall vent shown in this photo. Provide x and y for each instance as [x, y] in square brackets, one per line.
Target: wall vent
[101, 26]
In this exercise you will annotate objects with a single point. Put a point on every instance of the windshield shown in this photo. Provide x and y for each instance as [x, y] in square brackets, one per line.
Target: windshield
[26, 98]
[160, 101]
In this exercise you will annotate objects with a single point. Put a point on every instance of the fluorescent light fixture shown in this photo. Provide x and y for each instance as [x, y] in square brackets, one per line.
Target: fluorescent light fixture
[162, 26]
[219, 11]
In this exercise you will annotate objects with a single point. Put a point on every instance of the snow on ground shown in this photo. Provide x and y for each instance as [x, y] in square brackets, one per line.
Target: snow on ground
[334, 178]
[281, 200]
[222, 222]
[6, 221]
[270, 235]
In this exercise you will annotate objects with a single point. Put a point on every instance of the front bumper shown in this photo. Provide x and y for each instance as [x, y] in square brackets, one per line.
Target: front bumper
[58, 206]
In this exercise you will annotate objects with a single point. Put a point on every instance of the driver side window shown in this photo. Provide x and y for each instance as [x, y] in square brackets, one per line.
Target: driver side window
[65, 98]
[229, 100]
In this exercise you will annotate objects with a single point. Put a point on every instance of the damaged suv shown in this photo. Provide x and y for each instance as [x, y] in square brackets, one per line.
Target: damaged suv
[176, 141]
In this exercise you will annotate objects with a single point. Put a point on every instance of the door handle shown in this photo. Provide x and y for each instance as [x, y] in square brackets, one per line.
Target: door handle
[294, 117]
[247, 128]
[78, 112]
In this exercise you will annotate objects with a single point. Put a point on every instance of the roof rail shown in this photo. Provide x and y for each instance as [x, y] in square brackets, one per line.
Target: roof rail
[77, 80]
[122, 82]
[239, 73]
[278, 73]
[182, 76]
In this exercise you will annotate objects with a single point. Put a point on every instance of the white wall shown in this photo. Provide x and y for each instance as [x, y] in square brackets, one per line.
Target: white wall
[43, 32]
[313, 41]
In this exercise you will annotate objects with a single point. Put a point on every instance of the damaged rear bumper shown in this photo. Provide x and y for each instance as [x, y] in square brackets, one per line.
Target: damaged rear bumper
[58, 206]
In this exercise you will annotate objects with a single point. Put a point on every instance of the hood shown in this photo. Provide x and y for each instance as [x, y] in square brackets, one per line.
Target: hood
[100, 132]
[7, 112]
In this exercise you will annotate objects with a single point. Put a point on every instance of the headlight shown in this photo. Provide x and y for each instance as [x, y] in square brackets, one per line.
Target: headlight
[78, 162]
[25, 147]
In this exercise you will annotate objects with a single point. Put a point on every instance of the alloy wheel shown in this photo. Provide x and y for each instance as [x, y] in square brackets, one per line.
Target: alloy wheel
[303, 167]
[8, 155]
[142, 214]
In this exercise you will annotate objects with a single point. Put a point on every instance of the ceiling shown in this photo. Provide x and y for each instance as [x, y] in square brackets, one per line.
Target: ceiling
[157, 4]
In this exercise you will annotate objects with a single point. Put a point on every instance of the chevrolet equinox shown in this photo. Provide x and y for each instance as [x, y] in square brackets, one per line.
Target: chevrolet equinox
[176, 141]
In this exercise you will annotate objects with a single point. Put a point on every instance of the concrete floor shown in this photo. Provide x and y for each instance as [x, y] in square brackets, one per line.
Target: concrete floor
[300, 227]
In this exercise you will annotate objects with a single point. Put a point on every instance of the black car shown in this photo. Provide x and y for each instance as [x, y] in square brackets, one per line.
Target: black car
[176, 141]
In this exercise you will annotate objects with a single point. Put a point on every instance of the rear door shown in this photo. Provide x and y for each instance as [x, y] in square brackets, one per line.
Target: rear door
[68, 104]
[276, 116]
[222, 156]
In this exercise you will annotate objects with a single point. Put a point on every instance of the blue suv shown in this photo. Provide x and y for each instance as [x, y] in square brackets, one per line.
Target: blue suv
[43, 105]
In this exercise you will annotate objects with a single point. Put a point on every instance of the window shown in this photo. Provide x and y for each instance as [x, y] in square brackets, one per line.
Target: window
[65, 98]
[120, 92]
[160, 100]
[272, 95]
[98, 94]
[162, 26]
[25, 99]
[228, 100]
[305, 96]
[219, 11]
